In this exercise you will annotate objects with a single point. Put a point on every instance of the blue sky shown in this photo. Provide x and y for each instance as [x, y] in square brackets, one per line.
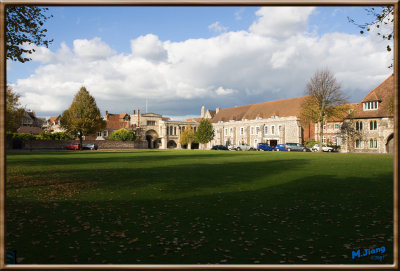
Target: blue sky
[119, 34]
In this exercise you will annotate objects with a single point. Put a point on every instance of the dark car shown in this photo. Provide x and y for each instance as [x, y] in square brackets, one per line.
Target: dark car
[219, 147]
[296, 147]
[264, 147]
[90, 147]
[72, 146]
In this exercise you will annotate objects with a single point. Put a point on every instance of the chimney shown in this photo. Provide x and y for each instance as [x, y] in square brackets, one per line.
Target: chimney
[216, 110]
[138, 117]
[202, 111]
[105, 116]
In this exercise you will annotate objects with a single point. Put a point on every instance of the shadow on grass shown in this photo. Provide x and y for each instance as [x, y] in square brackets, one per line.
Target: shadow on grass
[316, 219]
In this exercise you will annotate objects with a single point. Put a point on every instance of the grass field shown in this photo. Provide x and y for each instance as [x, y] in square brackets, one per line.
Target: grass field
[189, 207]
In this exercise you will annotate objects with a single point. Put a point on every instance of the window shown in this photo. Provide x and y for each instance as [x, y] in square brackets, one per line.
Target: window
[359, 125]
[373, 143]
[359, 144]
[252, 130]
[174, 130]
[336, 126]
[151, 123]
[279, 129]
[98, 133]
[324, 127]
[170, 130]
[230, 131]
[241, 130]
[257, 130]
[272, 129]
[370, 105]
[225, 131]
[105, 133]
[324, 139]
[265, 130]
[373, 125]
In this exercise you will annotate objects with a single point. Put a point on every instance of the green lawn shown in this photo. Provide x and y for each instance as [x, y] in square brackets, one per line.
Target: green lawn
[189, 207]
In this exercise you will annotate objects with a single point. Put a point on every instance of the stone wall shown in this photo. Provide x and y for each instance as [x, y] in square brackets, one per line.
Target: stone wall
[102, 144]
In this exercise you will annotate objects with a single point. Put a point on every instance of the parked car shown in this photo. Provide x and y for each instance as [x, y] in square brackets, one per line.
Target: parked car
[280, 147]
[231, 147]
[243, 147]
[72, 146]
[90, 147]
[219, 147]
[324, 148]
[296, 147]
[264, 147]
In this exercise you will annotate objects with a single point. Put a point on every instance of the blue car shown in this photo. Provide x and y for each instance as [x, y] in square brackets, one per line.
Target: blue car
[264, 147]
[280, 147]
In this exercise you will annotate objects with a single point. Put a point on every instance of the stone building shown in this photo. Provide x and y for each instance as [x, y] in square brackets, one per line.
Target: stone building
[274, 122]
[372, 121]
[153, 129]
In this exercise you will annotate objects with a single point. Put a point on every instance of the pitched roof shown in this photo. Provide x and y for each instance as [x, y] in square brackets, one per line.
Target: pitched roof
[212, 113]
[54, 119]
[382, 93]
[281, 108]
[116, 125]
[116, 117]
[29, 130]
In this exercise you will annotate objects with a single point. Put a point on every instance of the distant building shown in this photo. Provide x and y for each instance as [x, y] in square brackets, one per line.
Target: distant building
[53, 124]
[274, 122]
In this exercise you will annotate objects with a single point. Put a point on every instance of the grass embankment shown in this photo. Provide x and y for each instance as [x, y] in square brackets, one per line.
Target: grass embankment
[174, 207]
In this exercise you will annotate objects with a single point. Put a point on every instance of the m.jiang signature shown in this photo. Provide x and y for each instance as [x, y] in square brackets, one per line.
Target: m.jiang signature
[367, 252]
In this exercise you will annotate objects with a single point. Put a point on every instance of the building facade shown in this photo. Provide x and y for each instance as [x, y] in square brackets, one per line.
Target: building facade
[275, 122]
[371, 123]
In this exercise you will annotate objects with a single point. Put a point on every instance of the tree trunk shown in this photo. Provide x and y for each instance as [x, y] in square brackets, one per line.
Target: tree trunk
[80, 141]
[321, 135]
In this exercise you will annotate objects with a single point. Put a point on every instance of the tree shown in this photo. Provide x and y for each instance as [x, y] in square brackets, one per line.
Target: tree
[123, 135]
[205, 132]
[14, 111]
[324, 101]
[382, 16]
[83, 116]
[349, 133]
[24, 26]
[187, 137]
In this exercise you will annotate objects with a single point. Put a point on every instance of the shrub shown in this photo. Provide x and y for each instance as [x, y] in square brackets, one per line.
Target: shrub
[123, 135]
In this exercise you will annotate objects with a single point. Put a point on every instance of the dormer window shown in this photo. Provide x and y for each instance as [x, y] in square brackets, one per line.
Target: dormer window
[370, 105]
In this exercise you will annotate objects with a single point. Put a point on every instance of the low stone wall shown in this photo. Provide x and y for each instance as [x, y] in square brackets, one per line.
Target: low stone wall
[60, 144]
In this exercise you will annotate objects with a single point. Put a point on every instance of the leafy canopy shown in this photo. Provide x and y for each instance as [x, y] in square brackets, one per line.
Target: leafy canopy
[83, 116]
[25, 27]
[14, 111]
[123, 135]
[205, 132]
[187, 137]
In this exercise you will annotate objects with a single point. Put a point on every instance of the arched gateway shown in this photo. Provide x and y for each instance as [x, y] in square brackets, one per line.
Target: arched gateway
[152, 139]
[389, 144]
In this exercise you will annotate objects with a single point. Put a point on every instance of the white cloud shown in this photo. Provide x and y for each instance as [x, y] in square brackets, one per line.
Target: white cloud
[92, 49]
[232, 68]
[217, 27]
[149, 47]
[281, 22]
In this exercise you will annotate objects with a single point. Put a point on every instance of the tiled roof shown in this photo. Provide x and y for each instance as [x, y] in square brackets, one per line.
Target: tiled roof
[115, 117]
[212, 113]
[54, 119]
[195, 119]
[116, 125]
[381, 93]
[280, 108]
[29, 130]
[345, 115]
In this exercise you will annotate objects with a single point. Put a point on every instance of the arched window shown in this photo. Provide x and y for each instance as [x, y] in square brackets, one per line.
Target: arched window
[361, 125]
[371, 143]
[375, 125]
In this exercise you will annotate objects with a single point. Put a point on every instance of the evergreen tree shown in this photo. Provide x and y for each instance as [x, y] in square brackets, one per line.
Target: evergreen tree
[83, 117]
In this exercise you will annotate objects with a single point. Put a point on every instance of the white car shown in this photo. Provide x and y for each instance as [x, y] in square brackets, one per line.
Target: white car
[243, 147]
[324, 148]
